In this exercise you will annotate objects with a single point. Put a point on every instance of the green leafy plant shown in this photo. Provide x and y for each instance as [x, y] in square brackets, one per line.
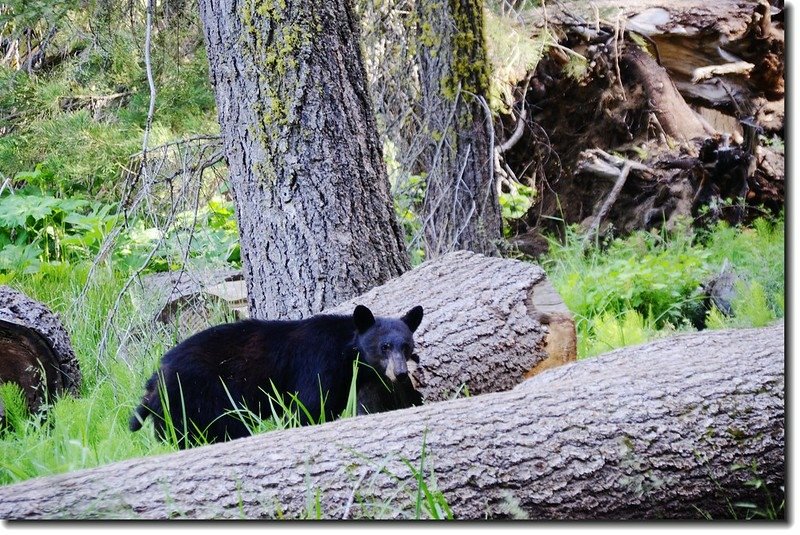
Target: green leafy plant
[517, 202]
[657, 277]
[38, 228]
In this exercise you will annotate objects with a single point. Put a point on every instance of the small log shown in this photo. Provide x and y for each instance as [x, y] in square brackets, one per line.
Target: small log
[676, 118]
[489, 322]
[35, 350]
[671, 429]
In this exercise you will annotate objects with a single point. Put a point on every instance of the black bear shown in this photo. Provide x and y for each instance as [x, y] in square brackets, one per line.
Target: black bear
[207, 382]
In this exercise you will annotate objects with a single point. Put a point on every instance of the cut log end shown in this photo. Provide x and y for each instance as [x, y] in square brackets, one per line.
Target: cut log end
[35, 350]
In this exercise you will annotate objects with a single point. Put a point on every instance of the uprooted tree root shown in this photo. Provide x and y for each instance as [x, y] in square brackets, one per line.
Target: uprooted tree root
[603, 97]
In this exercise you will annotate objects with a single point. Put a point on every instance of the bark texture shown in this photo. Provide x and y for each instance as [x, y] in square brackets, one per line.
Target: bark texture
[654, 431]
[35, 350]
[488, 322]
[461, 207]
[316, 220]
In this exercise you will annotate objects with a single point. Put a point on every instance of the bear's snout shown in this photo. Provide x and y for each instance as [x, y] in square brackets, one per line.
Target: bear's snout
[396, 366]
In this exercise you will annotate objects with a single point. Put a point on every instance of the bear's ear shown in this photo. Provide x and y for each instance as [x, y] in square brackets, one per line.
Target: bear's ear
[363, 318]
[413, 318]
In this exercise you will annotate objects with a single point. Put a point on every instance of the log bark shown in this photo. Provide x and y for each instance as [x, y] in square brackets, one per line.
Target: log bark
[316, 220]
[488, 322]
[35, 350]
[655, 431]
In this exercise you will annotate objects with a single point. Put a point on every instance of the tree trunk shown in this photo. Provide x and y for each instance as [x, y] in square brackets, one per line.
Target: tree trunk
[316, 220]
[461, 208]
[33, 341]
[672, 429]
[488, 322]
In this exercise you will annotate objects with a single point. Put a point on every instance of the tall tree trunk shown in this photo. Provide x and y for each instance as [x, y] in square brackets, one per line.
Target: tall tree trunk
[316, 220]
[461, 207]
[672, 429]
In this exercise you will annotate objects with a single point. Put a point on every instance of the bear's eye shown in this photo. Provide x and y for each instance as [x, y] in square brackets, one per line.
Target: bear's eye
[406, 349]
[385, 347]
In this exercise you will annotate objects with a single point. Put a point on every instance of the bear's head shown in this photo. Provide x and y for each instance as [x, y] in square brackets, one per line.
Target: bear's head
[386, 344]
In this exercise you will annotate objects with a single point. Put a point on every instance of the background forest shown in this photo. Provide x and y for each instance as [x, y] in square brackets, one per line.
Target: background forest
[75, 234]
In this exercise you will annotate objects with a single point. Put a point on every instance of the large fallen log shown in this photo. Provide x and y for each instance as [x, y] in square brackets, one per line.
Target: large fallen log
[672, 429]
[35, 350]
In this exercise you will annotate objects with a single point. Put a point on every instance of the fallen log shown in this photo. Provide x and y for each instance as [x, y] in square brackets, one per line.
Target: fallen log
[489, 322]
[671, 429]
[35, 350]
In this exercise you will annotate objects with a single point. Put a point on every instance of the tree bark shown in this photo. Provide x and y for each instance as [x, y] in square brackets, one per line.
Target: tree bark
[316, 220]
[670, 429]
[35, 350]
[461, 209]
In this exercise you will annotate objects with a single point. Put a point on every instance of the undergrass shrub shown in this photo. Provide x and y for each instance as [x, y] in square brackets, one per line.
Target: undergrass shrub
[91, 429]
[82, 119]
[757, 255]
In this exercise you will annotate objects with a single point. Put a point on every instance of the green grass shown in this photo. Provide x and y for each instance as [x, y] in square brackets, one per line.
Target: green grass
[91, 429]
[80, 121]
[646, 285]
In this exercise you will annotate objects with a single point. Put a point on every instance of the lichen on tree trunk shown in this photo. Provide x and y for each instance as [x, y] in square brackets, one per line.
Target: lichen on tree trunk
[316, 219]
[461, 208]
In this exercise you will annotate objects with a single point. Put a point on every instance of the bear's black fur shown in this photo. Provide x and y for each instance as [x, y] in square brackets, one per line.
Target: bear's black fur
[248, 361]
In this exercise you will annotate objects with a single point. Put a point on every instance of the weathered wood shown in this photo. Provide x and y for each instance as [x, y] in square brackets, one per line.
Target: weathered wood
[189, 297]
[670, 429]
[488, 322]
[35, 350]
[691, 38]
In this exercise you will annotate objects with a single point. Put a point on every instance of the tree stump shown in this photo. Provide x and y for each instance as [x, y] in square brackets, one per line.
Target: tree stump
[35, 350]
[187, 299]
[672, 429]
